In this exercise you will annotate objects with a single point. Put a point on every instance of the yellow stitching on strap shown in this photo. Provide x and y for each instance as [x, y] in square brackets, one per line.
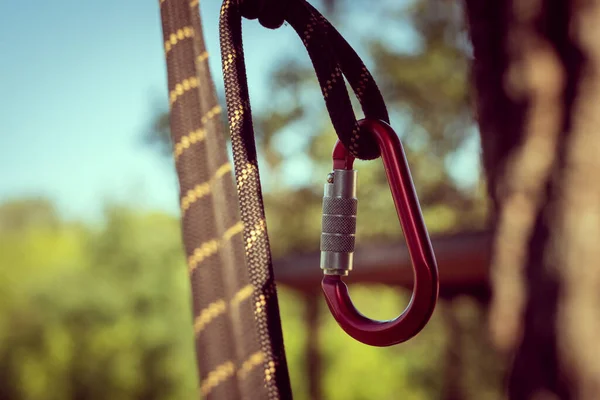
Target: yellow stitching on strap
[201, 253]
[241, 295]
[183, 33]
[234, 230]
[186, 141]
[194, 3]
[195, 136]
[219, 307]
[227, 369]
[193, 195]
[215, 377]
[210, 247]
[216, 110]
[253, 361]
[208, 314]
[202, 189]
[181, 88]
[202, 57]
[222, 170]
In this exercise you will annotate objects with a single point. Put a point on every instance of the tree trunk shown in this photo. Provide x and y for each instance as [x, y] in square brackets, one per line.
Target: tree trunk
[536, 74]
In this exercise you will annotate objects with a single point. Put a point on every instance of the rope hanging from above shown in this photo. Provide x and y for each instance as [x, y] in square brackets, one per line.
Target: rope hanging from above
[239, 341]
[332, 57]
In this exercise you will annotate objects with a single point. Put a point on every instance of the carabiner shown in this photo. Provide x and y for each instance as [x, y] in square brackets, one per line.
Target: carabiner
[337, 243]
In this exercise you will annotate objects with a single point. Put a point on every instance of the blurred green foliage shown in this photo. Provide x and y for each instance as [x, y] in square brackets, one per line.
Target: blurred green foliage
[93, 312]
[103, 312]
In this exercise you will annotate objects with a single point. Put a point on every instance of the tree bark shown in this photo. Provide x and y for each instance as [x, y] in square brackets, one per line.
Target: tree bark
[536, 73]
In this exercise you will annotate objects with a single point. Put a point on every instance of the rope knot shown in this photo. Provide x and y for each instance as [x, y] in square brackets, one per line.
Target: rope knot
[270, 13]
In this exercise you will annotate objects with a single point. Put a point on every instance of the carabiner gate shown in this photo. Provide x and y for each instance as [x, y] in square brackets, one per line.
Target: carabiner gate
[337, 243]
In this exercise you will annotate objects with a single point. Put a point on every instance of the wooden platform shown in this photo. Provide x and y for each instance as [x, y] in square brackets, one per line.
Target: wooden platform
[463, 262]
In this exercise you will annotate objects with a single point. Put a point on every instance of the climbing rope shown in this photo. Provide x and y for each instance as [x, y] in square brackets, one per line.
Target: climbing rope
[239, 341]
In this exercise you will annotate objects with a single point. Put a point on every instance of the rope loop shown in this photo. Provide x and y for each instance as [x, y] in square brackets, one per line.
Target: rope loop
[270, 13]
[333, 59]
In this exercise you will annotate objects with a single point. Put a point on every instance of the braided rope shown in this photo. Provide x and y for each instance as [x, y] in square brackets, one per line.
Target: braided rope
[236, 312]
[333, 59]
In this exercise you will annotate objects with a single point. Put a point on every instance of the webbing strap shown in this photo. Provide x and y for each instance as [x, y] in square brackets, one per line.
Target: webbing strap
[231, 362]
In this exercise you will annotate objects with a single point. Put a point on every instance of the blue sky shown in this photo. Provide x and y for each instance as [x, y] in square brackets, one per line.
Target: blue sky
[80, 81]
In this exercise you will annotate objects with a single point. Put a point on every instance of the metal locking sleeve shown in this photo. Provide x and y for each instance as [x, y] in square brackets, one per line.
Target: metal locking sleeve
[338, 227]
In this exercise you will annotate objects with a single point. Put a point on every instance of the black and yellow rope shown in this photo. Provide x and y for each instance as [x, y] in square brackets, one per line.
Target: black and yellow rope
[236, 313]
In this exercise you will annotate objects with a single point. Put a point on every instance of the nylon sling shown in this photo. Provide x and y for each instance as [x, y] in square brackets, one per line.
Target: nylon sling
[239, 342]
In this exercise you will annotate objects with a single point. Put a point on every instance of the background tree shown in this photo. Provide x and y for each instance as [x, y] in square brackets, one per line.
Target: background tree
[537, 80]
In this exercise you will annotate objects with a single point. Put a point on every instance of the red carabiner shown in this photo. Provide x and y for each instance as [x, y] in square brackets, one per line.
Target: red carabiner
[425, 272]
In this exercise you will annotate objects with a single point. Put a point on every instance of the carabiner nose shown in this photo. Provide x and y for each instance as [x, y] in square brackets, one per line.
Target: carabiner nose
[337, 243]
